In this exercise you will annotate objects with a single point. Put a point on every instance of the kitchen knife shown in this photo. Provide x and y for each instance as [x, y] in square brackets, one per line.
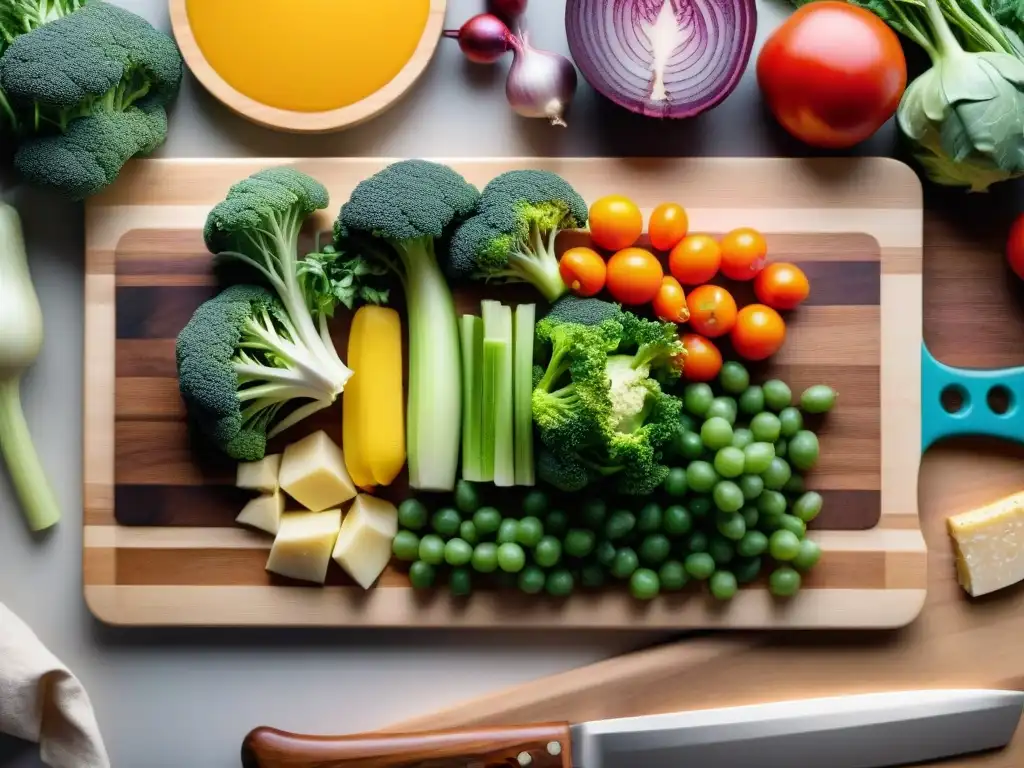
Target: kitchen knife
[862, 731]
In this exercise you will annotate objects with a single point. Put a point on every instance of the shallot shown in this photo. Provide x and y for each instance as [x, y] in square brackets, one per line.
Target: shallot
[484, 39]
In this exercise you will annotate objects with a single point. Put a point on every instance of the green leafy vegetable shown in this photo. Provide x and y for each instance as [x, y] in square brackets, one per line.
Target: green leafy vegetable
[330, 277]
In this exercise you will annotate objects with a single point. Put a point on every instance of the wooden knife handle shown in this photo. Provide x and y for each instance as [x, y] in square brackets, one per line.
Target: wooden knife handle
[545, 745]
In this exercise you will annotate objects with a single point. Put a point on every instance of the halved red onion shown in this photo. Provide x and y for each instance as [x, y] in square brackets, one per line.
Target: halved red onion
[662, 58]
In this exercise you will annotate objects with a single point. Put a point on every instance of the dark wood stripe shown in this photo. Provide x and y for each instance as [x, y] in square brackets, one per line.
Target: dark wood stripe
[848, 510]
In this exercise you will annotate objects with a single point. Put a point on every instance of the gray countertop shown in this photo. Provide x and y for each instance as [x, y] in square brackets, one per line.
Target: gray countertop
[170, 698]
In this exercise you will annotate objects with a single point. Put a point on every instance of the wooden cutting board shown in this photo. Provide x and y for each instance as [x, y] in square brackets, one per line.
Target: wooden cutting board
[160, 546]
[972, 318]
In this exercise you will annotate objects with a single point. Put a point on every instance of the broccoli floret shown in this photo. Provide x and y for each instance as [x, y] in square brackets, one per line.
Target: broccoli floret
[565, 472]
[240, 362]
[85, 87]
[585, 311]
[512, 236]
[656, 344]
[402, 216]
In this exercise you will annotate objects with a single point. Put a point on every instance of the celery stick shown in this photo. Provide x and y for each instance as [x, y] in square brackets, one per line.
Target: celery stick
[498, 431]
[489, 310]
[471, 331]
[522, 383]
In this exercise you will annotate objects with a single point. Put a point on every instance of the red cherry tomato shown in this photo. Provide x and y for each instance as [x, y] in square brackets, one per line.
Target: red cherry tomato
[832, 74]
[1015, 247]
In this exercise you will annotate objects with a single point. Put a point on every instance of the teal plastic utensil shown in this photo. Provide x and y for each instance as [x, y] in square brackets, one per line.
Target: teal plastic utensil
[974, 389]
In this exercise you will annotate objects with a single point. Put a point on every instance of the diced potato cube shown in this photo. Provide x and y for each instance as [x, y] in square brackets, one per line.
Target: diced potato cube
[263, 512]
[364, 543]
[313, 473]
[259, 475]
[303, 545]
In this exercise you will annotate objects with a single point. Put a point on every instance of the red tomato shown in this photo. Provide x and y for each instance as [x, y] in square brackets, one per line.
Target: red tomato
[634, 276]
[832, 74]
[1015, 247]
[759, 332]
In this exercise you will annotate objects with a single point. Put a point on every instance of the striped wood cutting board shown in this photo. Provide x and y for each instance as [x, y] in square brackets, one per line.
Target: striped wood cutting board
[160, 545]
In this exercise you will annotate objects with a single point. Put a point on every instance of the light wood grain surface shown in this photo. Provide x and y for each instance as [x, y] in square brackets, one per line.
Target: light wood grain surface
[160, 546]
[973, 318]
[306, 122]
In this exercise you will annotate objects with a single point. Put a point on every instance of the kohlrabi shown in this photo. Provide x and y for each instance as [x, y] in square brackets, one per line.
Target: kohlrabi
[21, 336]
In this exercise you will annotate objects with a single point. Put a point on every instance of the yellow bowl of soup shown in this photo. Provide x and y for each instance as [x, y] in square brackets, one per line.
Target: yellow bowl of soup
[307, 66]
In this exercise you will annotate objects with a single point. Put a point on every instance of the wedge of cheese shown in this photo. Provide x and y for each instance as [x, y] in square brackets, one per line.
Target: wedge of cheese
[313, 473]
[263, 512]
[989, 544]
[363, 549]
[259, 475]
[303, 545]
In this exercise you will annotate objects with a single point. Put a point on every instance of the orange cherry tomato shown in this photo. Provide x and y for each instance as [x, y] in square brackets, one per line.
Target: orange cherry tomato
[695, 259]
[668, 226]
[634, 276]
[703, 360]
[712, 310]
[782, 286]
[743, 253]
[670, 303]
[615, 222]
[759, 332]
[583, 270]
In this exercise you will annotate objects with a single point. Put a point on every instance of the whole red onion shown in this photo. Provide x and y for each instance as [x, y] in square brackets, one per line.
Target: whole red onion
[483, 39]
[510, 10]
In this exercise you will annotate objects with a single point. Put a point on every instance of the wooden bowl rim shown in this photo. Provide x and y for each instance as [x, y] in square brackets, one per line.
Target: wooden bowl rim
[307, 122]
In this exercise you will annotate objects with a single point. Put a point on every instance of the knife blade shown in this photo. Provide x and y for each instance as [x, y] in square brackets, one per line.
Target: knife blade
[860, 731]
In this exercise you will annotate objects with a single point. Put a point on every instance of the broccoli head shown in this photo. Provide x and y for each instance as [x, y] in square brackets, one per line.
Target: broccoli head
[595, 403]
[585, 311]
[84, 87]
[240, 363]
[512, 236]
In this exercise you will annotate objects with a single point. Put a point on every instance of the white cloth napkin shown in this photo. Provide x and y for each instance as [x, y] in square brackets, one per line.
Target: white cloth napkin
[40, 700]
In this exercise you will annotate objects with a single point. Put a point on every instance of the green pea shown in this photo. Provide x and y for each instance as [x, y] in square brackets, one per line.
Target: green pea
[731, 525]
[677, 520]
[734, 378]
[808, 506]
[592, 576]
[673, 576]
[644, 584]
[781, 447]
[795, 484]
[742, 437]
[687, 422]
[406, 546]
[675, 482]
[594, 513]
[721, 549]
[700, 506]
[697, 398]
[535, 503]
[530, 531]
[605, 553]
[777, 394]
[548, 552]
[728, 496]
[791, 421]
[765, 427]
[689, 446]
[699, 565]
[460, 582]
[751, 402]
[783, 545]
[750, 515]
[432, 549]
[467, 498]
[746, 569]
[818, 399]
[716, 433]
[467, 531]
[487, 521]
[757, 457]
[804, 450]
[777, 474]
[619, 525]
[508, 531]
[485, 557]
[784, 582]
[579, 542]
[626, 561]
[412, 514]
[751, 485]
[649, 519]
[723, 407]
[794, 524]
[807, 556]
[556, 523]
[752, 544]
[698, 542]
[422, 575]
[511, 558]
[560, 583]
[446, 521]
[531, 580]
[722, 585]
[655, 548]
[771, 503]
[701, 476]
[457, 552]
[729, 462]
